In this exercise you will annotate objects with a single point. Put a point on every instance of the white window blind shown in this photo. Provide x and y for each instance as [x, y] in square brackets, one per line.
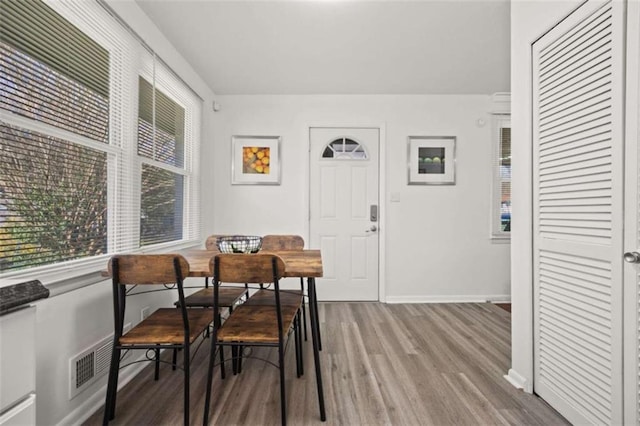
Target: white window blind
[71, 176]
[54, 199]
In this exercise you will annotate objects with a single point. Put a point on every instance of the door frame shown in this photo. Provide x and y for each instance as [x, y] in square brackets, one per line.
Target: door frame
[382, 178]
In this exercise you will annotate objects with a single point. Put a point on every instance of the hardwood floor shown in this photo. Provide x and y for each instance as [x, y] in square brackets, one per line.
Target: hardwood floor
[505, 306]
[382, 364]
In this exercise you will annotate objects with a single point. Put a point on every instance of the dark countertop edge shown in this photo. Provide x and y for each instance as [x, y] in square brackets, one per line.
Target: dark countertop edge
[14, 296]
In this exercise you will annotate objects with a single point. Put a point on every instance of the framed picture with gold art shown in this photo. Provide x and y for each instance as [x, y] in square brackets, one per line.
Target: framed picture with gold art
[255, 160]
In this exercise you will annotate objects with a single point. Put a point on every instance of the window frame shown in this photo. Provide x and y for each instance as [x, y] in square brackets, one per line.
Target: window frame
[345, 155]
[123, 201]
[499, 121]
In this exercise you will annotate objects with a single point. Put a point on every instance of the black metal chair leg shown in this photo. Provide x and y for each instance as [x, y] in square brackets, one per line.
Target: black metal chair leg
[298, 342]
[207, 400]
[315, 337]
[296, 337]
[174, 359]
[223, 370]
[234, 360]
[301, 348]
[304, 309]
[186, 383]
[304, 316]
[314, 310]
[112, 387]
[156, 374]
[283, 399]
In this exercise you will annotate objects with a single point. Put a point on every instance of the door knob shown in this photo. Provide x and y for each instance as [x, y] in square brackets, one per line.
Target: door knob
[372, 229]
[632, 257]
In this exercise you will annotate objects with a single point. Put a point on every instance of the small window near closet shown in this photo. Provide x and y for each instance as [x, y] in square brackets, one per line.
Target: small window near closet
[501, 202]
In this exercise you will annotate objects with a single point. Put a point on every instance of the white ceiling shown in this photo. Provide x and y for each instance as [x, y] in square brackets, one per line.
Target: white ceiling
[341, 47]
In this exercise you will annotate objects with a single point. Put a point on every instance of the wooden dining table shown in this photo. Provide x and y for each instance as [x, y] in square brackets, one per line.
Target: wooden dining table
[305, 264]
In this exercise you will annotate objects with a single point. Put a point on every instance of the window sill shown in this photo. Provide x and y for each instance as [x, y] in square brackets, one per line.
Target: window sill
[500, 239]
[70, 276]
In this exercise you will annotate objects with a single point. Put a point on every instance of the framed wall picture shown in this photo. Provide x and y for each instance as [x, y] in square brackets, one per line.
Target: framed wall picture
[432, 160]
[255, 160]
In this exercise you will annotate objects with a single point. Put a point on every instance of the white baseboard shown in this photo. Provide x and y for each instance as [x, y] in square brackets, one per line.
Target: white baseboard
[450, 299]
[519, 381]
[94, 402]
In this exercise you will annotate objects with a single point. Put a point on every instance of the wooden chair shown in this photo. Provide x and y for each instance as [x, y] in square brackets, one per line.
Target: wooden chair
[283, 243]
[254, 325]
[211, 242]
[166, 328]
[229, 296]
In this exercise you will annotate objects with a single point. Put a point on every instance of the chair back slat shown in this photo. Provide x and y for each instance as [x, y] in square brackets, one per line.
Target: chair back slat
[247, 268]
[148, 268]
[212, 242]
[282, 242]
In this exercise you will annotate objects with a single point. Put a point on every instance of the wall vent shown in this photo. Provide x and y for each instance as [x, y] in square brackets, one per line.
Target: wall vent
[91, 364]
[85, 368]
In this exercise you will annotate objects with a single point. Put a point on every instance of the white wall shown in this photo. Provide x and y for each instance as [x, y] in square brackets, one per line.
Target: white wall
[529, 21]
[437, 237]
[69, 323]
[437, 245]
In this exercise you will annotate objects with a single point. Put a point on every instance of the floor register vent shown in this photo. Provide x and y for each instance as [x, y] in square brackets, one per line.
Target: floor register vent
[89, 365]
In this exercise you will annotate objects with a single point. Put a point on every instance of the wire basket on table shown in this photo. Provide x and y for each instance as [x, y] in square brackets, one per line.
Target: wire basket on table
[239, 244]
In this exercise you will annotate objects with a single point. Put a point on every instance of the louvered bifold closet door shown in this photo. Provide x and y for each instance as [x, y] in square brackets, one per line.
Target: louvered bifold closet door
[577, 177]
[631, 302]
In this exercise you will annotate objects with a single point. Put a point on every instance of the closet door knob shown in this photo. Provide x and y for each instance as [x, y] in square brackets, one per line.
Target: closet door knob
[632, 257]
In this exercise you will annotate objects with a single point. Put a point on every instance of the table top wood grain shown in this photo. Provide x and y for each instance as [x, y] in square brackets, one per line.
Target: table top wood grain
[302, 263]
[299, 263]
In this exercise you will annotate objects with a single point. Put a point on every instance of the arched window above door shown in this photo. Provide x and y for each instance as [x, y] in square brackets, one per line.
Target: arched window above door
[344, 149]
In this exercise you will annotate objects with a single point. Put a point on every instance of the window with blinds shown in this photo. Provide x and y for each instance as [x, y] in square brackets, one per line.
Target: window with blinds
[161, 139]
[75, 182]
[54, 199]
[501, 203]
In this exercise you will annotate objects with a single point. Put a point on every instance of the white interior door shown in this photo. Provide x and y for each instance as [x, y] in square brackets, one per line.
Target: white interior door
[578, 192]
[343, 217]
